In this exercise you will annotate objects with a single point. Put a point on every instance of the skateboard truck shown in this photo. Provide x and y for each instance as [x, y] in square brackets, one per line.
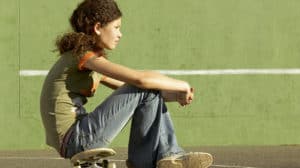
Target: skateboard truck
[94, 158]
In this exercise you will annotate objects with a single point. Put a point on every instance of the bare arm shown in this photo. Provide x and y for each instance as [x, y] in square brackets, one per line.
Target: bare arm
[180, 97]
[111, 83]
[142, 79]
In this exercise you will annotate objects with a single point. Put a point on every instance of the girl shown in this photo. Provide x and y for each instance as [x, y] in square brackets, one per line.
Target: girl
[139, 95]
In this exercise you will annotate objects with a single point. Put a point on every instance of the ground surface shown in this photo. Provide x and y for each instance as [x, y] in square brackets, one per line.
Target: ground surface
[226, 157]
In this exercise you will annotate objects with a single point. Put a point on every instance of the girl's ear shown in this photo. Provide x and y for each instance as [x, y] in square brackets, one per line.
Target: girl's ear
[97, 28]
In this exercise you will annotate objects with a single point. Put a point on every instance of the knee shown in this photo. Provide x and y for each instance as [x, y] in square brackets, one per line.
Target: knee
[148, 92]
[152, 96]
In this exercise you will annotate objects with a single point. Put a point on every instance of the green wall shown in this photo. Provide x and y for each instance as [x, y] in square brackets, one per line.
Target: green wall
[169, 34]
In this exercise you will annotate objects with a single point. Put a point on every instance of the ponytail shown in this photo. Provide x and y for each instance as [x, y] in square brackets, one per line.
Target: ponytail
[78, 43]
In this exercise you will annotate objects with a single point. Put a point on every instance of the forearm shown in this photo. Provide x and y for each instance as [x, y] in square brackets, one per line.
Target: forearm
[180, 97]
[111, 83]
[155, 80]
[169, 96]
[142, 79]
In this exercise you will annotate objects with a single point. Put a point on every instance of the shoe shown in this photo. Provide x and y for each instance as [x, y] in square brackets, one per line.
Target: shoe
[188, 160]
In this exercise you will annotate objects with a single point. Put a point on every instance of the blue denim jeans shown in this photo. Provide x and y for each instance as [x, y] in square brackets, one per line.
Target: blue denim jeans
[152, 134]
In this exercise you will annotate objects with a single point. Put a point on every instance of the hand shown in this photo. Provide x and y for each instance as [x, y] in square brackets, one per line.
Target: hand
[185, 98]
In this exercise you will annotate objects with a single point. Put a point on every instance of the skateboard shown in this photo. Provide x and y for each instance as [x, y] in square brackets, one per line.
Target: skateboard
[94, 158]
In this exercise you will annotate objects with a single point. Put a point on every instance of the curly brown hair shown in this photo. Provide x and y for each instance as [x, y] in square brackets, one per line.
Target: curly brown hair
[83, 19]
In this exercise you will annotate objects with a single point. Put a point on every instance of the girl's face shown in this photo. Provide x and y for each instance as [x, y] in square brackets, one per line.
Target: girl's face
[110, 34]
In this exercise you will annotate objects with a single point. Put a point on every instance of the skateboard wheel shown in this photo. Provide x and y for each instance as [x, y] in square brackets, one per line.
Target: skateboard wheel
[105, 163]
[89, 158]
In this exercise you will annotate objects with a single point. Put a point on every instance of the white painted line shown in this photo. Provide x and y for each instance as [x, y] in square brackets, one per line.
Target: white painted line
[33, 72]
[198, 72]
[233, 72]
